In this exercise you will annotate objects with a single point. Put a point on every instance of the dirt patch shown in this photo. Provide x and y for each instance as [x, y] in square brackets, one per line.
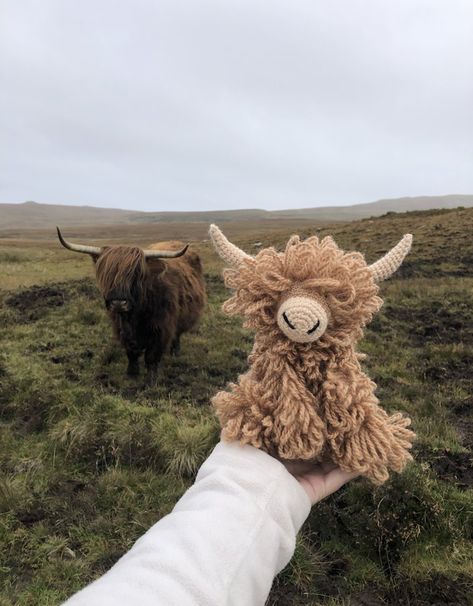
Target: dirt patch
[464, 426]
[35, 302]
[284, 596]
[83, 288]
[454, 467]
[29, 516]
[438, 590]
[79, 359]
[462, 412]
[462, 407]
[456, 369]
[367, 598]
[435, 267]
[436, 322]
[440, 249]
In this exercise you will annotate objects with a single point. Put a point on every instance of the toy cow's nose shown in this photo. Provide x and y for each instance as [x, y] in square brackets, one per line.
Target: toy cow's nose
[302, 319]
[298, 325]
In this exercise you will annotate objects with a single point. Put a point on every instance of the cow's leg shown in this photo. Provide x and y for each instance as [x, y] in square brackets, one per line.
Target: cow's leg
[133, 369]
[152, 358]
[176, 346]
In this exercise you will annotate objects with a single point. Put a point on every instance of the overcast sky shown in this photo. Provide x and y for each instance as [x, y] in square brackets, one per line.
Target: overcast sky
[212, 104]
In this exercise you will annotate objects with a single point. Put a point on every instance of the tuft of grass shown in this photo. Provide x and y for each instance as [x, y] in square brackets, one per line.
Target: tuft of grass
[9, 256]
[185, 447]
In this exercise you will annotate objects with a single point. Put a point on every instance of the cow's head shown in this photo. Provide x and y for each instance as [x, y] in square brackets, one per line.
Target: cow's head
[121, 271]
[311, 292]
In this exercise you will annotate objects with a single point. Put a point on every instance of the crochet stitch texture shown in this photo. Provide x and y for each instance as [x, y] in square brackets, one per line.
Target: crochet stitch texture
[310, 400]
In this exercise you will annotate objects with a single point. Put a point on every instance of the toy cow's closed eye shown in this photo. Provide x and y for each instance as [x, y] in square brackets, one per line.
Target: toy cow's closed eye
[305, 396]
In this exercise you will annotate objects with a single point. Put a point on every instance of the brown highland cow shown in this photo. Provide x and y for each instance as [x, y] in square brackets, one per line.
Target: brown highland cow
[305, 396]
[152, 296]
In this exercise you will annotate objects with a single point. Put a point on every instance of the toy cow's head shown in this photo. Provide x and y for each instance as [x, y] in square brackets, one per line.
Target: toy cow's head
[311, 292]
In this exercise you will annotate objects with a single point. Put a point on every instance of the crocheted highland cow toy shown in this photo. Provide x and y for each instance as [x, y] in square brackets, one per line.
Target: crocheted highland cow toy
[305, 396]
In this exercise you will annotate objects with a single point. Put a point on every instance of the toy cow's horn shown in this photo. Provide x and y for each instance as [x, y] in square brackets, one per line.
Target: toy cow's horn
[81, 248]
[230, 253]
[387, 265]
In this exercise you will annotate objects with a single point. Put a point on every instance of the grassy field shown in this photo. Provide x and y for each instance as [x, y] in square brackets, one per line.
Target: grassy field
[90, 459]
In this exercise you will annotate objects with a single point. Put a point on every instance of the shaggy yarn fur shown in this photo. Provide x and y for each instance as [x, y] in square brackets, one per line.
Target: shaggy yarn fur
[310, 401]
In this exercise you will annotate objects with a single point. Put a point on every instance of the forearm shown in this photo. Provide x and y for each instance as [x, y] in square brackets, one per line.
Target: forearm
[223, 543]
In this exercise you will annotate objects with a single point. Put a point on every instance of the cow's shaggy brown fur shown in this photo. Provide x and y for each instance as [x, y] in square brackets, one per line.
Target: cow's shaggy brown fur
[151, 302]
[310, 401]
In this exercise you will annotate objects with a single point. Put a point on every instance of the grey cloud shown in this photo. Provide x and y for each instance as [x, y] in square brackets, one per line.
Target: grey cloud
[178, 104]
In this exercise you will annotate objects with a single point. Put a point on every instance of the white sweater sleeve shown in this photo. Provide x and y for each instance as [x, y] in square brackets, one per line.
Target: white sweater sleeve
[223, 543]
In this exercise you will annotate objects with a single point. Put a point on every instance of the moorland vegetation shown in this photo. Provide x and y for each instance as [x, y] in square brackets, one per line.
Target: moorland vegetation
[90, 459]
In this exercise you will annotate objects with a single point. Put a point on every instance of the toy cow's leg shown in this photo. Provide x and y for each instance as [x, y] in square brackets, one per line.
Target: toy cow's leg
[380, 443]
[361, 435]
[280, 418]
[402, 439]
[364, 450]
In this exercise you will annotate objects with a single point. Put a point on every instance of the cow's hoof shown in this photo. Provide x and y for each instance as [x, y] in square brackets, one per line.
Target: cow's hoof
[133, 371]
[175, 349]
[151, 378]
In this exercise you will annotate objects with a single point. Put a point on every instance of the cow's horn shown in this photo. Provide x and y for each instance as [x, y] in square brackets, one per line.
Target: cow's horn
[387, 265]
[165, 254]
[230, 253]
[81, 248]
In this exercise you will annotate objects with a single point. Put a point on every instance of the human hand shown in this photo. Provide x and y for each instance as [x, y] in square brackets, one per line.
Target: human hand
[319, 480]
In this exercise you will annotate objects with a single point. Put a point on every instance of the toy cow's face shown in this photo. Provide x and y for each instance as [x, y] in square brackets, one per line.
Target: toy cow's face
[312, 292]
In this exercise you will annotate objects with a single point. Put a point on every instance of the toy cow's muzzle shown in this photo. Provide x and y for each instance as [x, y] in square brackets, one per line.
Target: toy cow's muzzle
[302, 317]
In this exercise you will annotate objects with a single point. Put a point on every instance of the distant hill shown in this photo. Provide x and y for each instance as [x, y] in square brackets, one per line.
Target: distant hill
[32, 215]
[376, 209]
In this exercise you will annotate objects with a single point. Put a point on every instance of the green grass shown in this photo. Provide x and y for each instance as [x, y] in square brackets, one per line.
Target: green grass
[90, 459]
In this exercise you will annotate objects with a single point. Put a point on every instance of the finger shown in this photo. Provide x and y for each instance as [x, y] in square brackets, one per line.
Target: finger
[300, 468]
[336, 478]
[327, 466]
[319, 485]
